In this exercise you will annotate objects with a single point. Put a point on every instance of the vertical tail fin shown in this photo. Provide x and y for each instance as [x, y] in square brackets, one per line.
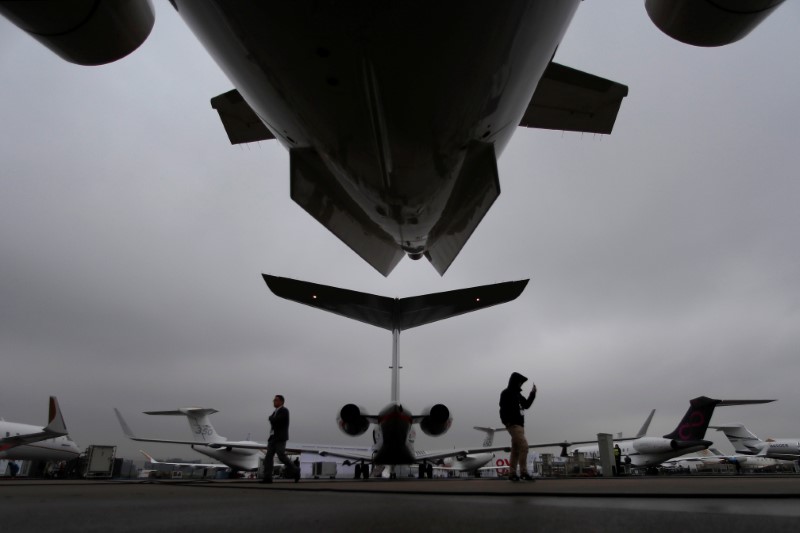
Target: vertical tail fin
[695, 422]
[55, 420]
[489, 439]
[201, 427]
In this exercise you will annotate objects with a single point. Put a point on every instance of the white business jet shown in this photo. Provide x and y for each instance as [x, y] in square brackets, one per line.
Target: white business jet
[746, 442]
[687, 437]
[394, 434]
[37, 443]
[237, 455]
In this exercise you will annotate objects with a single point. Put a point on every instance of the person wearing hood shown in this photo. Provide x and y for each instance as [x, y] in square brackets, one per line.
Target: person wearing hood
[512, 403]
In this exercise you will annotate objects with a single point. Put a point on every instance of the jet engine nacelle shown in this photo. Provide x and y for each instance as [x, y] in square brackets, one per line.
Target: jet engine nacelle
[351, 421]
[86, 32]
[707, 23]
[654, 445]
[436, 420]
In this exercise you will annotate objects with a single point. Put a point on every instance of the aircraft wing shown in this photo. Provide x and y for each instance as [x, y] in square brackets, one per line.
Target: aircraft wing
[443, 454]
[452, 469]
[192, 465]
[562, 444]
[29, 438]
[55, 428]
[354, 455]
[571, 100]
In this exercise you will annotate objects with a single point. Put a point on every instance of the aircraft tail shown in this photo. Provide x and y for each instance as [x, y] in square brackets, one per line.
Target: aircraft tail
[55, 420]
[643, 430]
[201, 427]
[742, 439]
[695, 422]
[489, 439]
[394, 314]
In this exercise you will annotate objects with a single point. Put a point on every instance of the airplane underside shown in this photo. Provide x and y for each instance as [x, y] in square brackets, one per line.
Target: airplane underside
[393, 132]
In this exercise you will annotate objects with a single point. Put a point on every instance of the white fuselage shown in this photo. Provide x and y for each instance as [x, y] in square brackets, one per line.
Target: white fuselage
[659, 450]
[236, 458]
[778, 447]
[468, 463]
[55, 449]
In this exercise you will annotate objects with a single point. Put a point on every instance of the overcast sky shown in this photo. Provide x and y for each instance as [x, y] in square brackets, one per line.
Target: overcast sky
[664, 258]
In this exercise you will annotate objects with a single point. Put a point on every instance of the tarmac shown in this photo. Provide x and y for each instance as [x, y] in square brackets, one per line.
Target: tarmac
[657, 504]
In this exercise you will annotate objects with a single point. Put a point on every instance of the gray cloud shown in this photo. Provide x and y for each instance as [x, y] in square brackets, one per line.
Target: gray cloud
[663, 258]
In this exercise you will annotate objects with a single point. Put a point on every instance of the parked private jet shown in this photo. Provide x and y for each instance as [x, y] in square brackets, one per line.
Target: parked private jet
[394, 434]
[237, 455]
[37, 443]
[394, 113]
[712, 456]
[746, 442]
[474, 463]
[687, 437]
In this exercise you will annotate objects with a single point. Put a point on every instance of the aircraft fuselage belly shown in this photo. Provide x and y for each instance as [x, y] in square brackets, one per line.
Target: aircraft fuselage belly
[59, 449]
[238, 458]
[394, 437]
[389, 94]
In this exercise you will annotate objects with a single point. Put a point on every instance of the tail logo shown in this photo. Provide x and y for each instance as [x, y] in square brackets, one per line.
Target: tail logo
[695, 420]
[503, 471]
[204, 430]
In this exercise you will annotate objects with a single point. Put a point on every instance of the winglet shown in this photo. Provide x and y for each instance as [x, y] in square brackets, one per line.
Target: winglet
[646, 425]
[125, 428]
[149, 457]
[55, 420]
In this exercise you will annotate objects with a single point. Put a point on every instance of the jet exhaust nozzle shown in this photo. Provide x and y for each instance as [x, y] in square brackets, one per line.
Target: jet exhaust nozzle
[436, 420]
[351, 420]
[84, 32]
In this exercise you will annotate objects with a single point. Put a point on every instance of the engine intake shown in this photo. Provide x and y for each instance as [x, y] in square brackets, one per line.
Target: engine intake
[351, 421]
[705, 23]
[436, 420]
[86, 32]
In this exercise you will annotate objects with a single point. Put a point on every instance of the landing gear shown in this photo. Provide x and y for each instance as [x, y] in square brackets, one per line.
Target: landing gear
[425, 469]
[361, 471]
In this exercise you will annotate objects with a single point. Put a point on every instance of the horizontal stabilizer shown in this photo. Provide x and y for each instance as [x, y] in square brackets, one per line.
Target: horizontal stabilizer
[184, 411]
[240, 121]
[476, 189]
[568, 99]
[394, 313]
[742, 402]
[316, 190]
